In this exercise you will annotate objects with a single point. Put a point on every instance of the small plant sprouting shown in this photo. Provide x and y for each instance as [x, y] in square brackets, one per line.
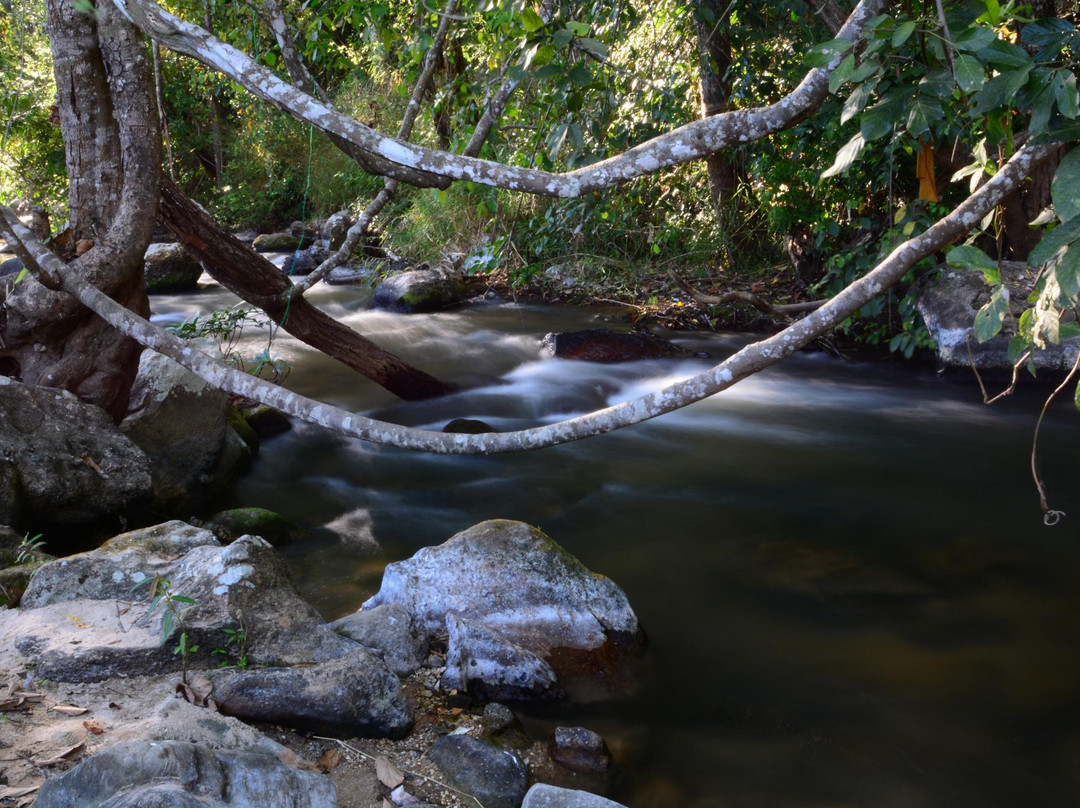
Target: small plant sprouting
[28, 546]
[235, 645]
[175, 606]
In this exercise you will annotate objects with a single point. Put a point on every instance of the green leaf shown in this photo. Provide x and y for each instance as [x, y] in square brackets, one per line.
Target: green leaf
[923, 113]
[842, 73]
[968, 257]
[903, 33]
[847, 155]
[989, 319]
[531, 21]
[822, 54]
[579, 28]
[1065, 93]
[184, 599]
[597, 49]
[1005, 54]
[1076, 398]
[1053, 241]
[969, 73]
[974, 39]
[556, 141]
[19, 278]
[1065, 189]
[1041, 108]
[561, 38]
[856, 102]
[879, 120]
[1067, 272]
[548, 71]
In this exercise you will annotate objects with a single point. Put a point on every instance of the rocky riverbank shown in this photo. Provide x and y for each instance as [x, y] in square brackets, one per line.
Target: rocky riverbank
[115, 690]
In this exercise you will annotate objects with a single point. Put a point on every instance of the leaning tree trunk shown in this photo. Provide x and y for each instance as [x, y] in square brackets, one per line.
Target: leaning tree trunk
[105, 95]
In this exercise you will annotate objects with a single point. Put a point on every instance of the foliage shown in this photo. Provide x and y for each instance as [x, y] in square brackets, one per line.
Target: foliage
[235, 650]
[174, 608]
[28, 547]
[227, 326]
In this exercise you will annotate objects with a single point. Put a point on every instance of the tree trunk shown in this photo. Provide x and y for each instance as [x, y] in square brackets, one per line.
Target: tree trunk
[260, 283]
[714, 60]
[105, 95]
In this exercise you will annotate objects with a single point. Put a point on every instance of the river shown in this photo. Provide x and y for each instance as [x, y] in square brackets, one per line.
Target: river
[850, 596]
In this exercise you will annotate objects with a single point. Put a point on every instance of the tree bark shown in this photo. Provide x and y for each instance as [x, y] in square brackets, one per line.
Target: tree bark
[256, 280]
[105, 95]
[714, 60]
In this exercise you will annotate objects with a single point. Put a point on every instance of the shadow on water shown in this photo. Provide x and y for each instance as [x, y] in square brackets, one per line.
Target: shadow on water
[850, 595]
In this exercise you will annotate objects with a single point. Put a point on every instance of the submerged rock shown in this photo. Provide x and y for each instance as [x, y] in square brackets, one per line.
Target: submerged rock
[353, 695]
[580, 750]
[496, 777]
[421, 290]
[605, 345]
[514, 580]
[236, 522]
[174, 774]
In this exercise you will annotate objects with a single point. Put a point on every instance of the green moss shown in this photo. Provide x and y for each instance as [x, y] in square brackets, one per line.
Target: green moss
[272, 526]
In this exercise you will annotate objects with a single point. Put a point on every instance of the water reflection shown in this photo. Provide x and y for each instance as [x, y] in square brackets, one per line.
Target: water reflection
[850, 595]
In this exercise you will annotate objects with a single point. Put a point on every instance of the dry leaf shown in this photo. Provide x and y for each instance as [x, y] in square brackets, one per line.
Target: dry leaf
[386, 803]
[22, 694]
[63, 757]
[196, 690]
[329, 760]
[12, 792]
[389, 774]
[289, 758]
[70, 709]
[13, 705]
[93, 727]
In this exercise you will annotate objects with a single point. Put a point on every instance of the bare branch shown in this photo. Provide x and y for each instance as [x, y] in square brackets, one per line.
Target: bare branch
[748, 361]
[689, 142]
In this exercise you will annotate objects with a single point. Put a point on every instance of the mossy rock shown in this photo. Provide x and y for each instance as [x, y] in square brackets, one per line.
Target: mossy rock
[242, 428]
[14, 579]
[266, 421]
[273, 527]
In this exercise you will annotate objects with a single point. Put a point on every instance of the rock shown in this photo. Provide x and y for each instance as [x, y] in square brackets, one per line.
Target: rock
[265, 420]
[949, 305]
[604, 345]
[580, 750]
[467, 426]
[275, 528]
[497, 718]
[340, 276]
[11, 266]
[304, 262]
[421, 290]
[336, 228]
[387, 631]
[182, 425]
[175, 774]
[63, 461]
[353, 695]
[170, 268]
[486, 666]
[75, 629]
[305, 232]
[542, 795]
[111, 571]
[496, 778]
[276, 242]
[516, 581]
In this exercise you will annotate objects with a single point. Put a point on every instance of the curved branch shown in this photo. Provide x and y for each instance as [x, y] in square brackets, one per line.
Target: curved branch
[748, 361]
[689, 142]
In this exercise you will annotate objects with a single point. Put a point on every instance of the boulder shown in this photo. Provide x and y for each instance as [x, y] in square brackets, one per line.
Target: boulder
[340, 276]
[387, 631]
[175, 774]
[87, 618]
[482, 663]
[542, 795]
[496, 777]
[948, 307]
[304, 262]
[170, 268]
[63, 461]
[276, 242]
[353, 695]
[421, 290]
[605, 345]
[336, 228]
[265, 420]
[516, 581]
[182, 424]
[579, 749]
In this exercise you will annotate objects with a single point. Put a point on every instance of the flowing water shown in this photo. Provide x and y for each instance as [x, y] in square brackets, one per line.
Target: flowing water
[850, 596]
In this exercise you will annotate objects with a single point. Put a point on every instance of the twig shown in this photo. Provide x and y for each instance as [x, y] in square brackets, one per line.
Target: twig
[1008, 391]
[372, 758]
[735, 296]
[1050, 517]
